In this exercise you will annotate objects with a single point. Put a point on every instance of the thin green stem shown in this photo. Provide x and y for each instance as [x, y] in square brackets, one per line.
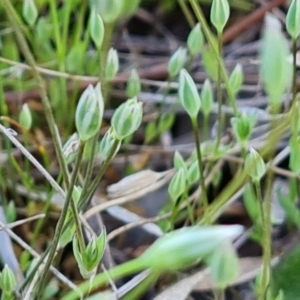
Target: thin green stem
[294, 80]
[267, 237]
[66, 22]
[211, 40]
[219, 95]
[260, 201]
[9, 9]
[189, 17]
[61, 221]
[80, 22]
[96, 181]
[57, 34]
[203, 198]
[239, 180]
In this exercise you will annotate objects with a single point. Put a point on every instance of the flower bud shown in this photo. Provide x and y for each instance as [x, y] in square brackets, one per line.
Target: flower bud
[293, 19]
[107, 144]
[30, 12]
[242, 127]
[127, 118]
[165, 122]
[193, 173]
[195, 40]
[133, 87]
[255, 165]
[188, 94]
[219, 14]
[91, 256]
[25, 118]
[7, 280]
[177, 185]
[112, 64]
[236, 79]
[187, 246]
[275, 71]
[89, 112]
[179, 162]
[96, 28]
[177, 62]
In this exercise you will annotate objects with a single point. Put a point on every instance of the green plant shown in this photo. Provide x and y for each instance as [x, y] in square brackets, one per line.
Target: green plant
[58, 37]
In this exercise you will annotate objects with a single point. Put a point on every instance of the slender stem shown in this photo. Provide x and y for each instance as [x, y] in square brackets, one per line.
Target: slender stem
[43, 91]
[189, 17]
[203, 198]
[294, 81]
[98, 178]
[66, 23]
[267, 235]
[225, 197]
[61, 221]
[260, 201]
[219, 95]
[199, 14]
[120, 271]
[57, 34]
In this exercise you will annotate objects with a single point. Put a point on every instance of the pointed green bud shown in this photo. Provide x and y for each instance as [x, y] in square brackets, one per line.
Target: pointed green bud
[95, 250]
[92, 255]
[30, 12]
[193, 173]
[151, 132]
[10, 212]
[219, 14]
[112, 64]
[275, 70]
[109, 10]
[127, 118]
[176, 62]
[242, 127]
[7, 280]
[133, 87]
[165, 122]
[255, 165]
[187, 246]
[89, 112]
[195, 40]
[206, 97]
[179, 162]
[293, 19]
[107, 144]
[177, 185]
[25, 118]
[236, 79]
[96, 28]
[188, 94]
